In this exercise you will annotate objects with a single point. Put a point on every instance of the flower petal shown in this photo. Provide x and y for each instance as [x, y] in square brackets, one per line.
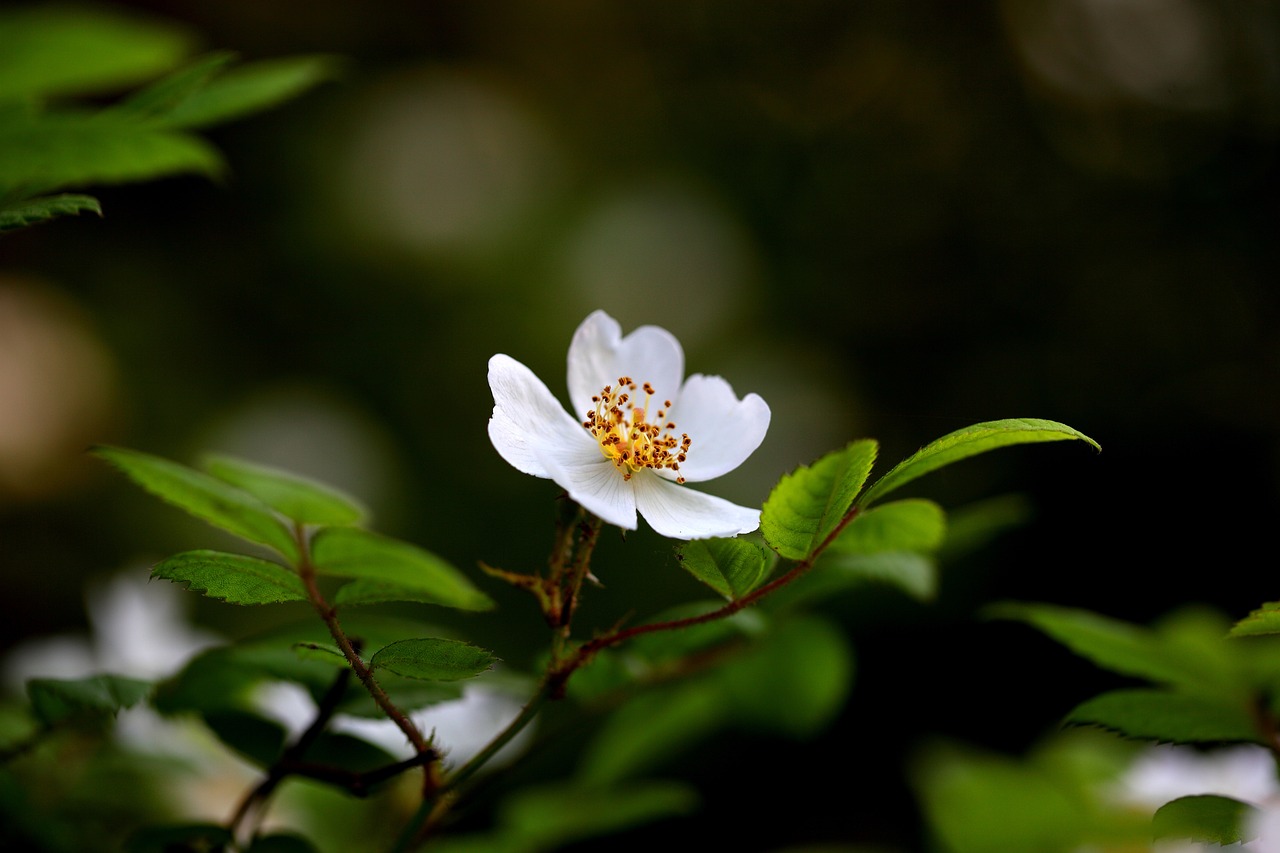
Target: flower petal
[592, 480]
[527, 415]
[599, 354]
[724, 429]
[681, 513]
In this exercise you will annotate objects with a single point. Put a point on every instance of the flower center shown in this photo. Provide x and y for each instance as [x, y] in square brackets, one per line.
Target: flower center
[626, 436]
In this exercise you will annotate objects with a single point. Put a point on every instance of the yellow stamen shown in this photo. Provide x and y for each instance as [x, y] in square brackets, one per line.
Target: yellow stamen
[627, 438]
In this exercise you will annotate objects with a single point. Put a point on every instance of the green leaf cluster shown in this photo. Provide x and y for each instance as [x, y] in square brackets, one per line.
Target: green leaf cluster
[49, 142]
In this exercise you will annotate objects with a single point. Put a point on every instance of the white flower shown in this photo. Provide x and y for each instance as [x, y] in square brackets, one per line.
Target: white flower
[637, 435]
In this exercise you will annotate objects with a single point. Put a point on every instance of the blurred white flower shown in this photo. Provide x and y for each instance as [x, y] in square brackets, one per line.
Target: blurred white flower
[641, 432]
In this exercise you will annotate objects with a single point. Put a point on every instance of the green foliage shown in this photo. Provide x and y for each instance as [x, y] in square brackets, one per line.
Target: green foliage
[56, 700]
[205, 497]
[250, 734]
[434, 659]
[194, 837]
[1263, 621]
[1169, 716]
[386, 569]
[970, 441]
[552, 816]
[281, 843]
[1205, 817]
[808, 504]
[52, 52]
[233, 578]
[909, 525]
[732, 567]
[294, 497]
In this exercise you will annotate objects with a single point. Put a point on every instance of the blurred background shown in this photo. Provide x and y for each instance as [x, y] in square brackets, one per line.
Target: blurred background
[890, 220]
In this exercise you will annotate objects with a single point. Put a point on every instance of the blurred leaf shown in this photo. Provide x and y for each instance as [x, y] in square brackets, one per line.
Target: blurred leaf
[251, 735]
[1166, 716]
[1110, 643]
[282, 843]
[352, 553]
[809, 503]
[348, 752]
[51, 151]
[21, 214]
[233, 578]
[732, 567]
[662, 646]
[325, 653]
[205, 497]
[1205, 817]
[250, 88]
[53, 50]
[293, 496]
[184, 838]
[909, 525]
[167, 93]
[651, 729]
[971, 527]
[434, 659]
[914, 574]
[970, 441]
[793, 681]
[54, 700]
[1264, 620]
[550, 817]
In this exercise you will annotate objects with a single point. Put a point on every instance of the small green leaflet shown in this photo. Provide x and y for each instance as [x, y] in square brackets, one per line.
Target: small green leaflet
[1204, 817]
[1168, 717]
[384, 563]
[1264, 620]
[915, 574]
[293, 496]
[233, 578]
[54, 700]
[434, 659]
[29, 212]
[248, 89]
[165, 94]
[205, 497]
[909, 525]
[732, 567]
[970, 441]
[808, 504]
[325, 653]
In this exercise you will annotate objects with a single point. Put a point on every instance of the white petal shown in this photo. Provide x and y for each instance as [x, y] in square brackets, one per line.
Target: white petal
[592, 480]
[526, 415]
[724, 429]
[679, 512]
[599, 354]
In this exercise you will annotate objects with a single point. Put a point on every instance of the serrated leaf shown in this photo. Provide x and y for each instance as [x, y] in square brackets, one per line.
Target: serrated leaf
[553, 816]
[250, 88]
[1265, 620]
[970, 441]
[57, 50]
[732, 567]
[349, 552]
[52, 151]
[54, 700]
[1166, 716]
[33, 210]
[434, 659]
[1109, 643]
[296, 497]
[908, 525]
[233, 578]
[809, 503]
[205, 497]
[167, 93]
[1204, 817]
[183, 837]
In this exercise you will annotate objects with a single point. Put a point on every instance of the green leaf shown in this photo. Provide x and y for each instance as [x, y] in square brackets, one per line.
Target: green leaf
[1204, 817]
[553, 816]
[909, 525]
[256, 738]
[809, 503]
[167, 93]
[914, 574]
[55, 50]
[250, 88]
[971, 527]
[21, 214]
[651, 729]
[52, 151]
[54, 700]
[434, 659]
[296, 497]
[233, 578]
[1166, 716]
[1264, 620]
[732, 567]
[349, 552]
[970, 441]
[205, 497]
[1109, 643]
[325, 653]
[180, 837]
